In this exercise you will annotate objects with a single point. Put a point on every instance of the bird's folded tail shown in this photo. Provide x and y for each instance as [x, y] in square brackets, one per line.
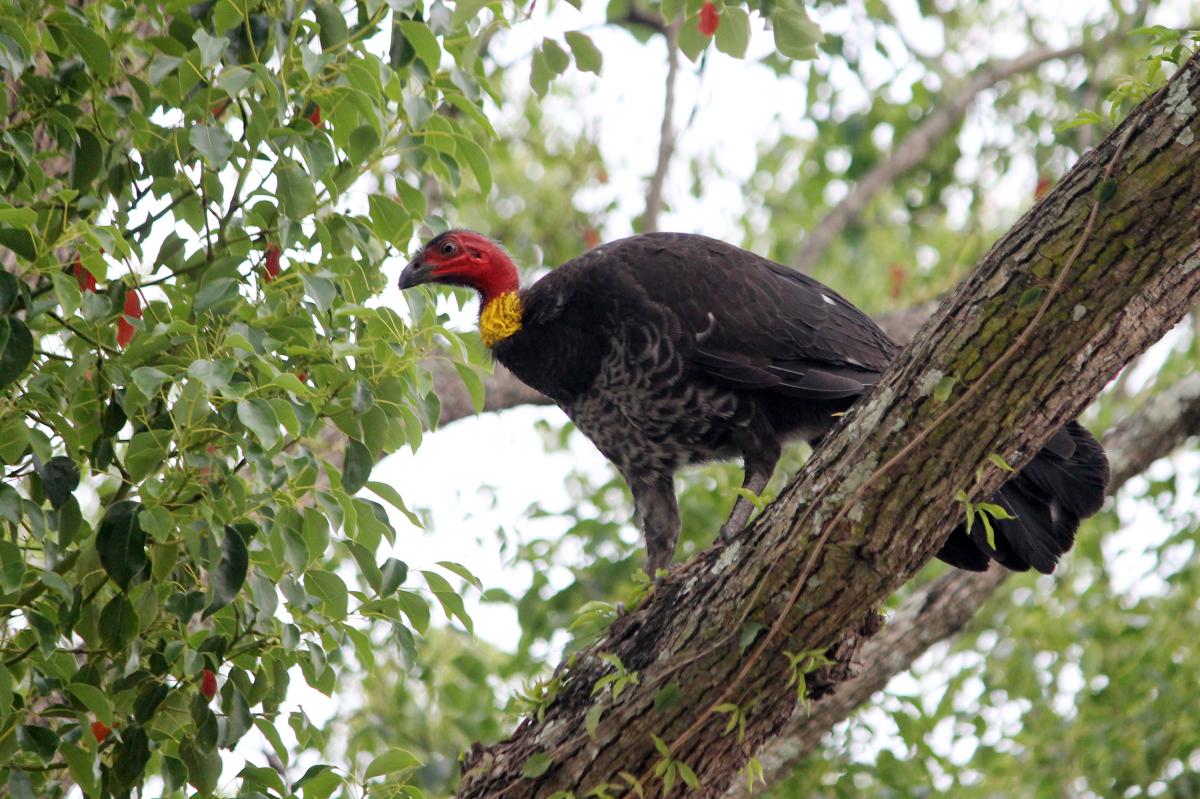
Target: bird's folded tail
[1064, 483]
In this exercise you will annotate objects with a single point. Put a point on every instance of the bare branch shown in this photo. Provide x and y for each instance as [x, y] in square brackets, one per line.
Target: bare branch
[942, 608]
[666, 136]
[912, 150]
[920, 142]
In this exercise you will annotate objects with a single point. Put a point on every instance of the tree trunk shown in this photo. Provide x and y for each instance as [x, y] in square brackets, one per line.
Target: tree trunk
[1088, 279]
[942, 608]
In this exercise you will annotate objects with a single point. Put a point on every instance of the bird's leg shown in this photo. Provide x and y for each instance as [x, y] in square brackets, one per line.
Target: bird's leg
[759, 469]
[658, 514]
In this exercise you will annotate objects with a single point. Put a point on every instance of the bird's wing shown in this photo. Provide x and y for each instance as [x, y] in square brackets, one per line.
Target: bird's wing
[756, 324]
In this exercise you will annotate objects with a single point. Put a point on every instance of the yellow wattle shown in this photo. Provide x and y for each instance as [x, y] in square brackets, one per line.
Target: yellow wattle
[500, 318]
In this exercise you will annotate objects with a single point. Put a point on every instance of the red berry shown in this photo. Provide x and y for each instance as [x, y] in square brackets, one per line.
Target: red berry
[85, 279]
[133, 308]
[272, 267]
[709, 18]
[208, 684]
[100, 730]
[315, 116]
[899, 276]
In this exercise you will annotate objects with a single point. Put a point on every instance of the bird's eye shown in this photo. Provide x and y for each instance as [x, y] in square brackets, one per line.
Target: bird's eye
[449, 248]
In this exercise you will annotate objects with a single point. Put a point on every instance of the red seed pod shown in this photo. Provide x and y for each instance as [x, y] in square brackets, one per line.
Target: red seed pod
[100, 730]
[208, 683]
[709, 18]
[272, 266]
[85, 279]
[133, 308]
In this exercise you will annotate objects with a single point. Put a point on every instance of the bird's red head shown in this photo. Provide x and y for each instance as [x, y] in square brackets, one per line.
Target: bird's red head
[463, 258]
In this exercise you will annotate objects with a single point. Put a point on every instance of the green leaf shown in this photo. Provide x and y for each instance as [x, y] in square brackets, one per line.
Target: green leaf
[390, 221]
[17, 217]
[556, 57]
[998, 461]
[121, 543]
[356, 467]
[12, 566]
[296, 193]
[796, 36]
[321, 290]
[230, 575]
[393, 761]
[591, 721]
[94, 700]
[83, 766]
[18, 351]
[146, 453]
[118, 623]
[537, 765]
[393, 498]
[60, 476]
[394, 573]
[462, 571]
[259, 417]
[214, 143]
[540, 73]
[333, 24]
[449, 599]
[19, 786]
[587, 55]
[10, 289]
[203, 767]
[216, 295]
[423, 42]
[477, 160]
[733, 34]
[330, 590]
[211, 47]
[465, 11]
[96, 53]
[148, 379]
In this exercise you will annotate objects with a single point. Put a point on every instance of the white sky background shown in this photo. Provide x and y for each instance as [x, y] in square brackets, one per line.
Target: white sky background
[483, 473]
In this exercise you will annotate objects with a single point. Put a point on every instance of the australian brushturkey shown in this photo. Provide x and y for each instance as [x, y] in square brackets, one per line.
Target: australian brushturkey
[670, 349]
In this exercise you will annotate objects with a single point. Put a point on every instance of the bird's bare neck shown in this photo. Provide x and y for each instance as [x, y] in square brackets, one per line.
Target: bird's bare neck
[500, 317]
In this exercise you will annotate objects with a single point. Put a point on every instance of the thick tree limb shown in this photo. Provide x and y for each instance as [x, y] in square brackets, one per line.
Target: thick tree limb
[942, 608]
[1093, 275]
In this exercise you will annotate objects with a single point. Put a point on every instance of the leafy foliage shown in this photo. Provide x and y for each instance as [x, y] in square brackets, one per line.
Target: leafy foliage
[197, 379]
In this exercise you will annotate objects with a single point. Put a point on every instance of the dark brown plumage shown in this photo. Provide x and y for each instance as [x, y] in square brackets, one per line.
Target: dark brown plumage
[671, 349]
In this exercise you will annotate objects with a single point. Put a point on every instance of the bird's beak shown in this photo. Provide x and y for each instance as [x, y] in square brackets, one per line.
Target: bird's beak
[416, 273]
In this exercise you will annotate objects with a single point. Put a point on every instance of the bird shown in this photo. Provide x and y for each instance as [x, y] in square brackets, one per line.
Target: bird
[673, 349]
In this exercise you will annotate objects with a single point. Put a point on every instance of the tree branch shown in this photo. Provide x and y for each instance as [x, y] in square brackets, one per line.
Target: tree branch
[666, 136]
[917, 145]
[942, 608]
[1101, 267]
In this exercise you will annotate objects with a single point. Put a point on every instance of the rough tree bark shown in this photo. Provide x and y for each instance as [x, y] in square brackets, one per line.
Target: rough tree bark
[1092, 276]
[942, 608]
